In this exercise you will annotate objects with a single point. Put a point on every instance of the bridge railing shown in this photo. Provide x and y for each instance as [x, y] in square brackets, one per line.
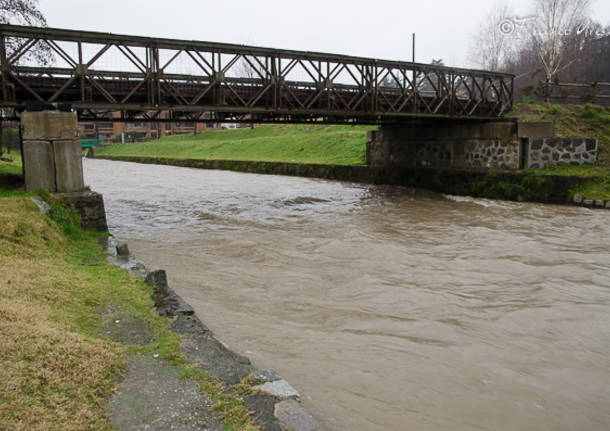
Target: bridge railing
[100, 71]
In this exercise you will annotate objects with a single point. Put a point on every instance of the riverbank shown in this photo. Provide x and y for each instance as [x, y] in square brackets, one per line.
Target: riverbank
[82, 340]
[509, 185]
[345, 146]
[327, 144]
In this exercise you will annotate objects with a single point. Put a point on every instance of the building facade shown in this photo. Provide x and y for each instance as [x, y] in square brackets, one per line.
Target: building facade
[113, 130]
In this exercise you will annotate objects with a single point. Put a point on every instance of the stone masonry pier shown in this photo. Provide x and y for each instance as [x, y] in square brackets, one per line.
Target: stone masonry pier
[506, 144]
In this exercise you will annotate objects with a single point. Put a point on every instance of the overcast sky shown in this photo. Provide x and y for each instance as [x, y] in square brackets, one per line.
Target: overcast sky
[380, 28]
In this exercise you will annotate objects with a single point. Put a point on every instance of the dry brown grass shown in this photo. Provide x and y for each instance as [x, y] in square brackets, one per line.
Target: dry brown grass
[52, 376]
[57, 371]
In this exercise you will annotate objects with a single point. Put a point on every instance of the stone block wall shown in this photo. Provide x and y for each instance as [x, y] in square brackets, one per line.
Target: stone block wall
[504, 154]
[544, 152]
[52, 157]
[475, 145]
[446, 145]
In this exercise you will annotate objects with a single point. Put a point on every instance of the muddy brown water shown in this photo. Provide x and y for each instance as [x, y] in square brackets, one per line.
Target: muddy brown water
[387, 308]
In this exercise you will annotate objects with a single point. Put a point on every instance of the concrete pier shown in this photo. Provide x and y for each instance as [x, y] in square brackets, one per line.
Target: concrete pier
[52, 158]
[53, 162]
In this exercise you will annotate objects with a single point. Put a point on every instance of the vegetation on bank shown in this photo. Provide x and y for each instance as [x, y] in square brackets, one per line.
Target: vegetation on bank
[11, 164]
[328, 144]
[592, 121]
[58, 367]
[576, 120]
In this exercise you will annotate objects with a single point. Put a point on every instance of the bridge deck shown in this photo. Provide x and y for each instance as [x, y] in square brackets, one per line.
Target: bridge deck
[101, 72]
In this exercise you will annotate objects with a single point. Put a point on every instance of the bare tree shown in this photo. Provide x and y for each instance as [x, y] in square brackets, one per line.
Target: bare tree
[22, 12]
[496, 40]
[25, 12]
[556, 21]
[250, 68]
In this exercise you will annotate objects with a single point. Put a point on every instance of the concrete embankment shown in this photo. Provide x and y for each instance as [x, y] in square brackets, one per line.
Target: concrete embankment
[510, 185]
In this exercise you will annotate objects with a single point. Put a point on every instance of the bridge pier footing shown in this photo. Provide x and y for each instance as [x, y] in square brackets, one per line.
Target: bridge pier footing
[448, 144]
[500, 144]
[52, 161]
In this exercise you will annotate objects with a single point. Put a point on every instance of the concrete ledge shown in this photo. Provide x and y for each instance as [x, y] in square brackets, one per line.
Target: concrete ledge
[535, 129]
[48, 125]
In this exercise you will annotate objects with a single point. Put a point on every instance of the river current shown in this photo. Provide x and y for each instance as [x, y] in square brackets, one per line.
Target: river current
[387, 308]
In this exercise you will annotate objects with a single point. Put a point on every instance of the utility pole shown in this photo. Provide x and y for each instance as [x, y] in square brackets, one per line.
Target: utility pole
[413, 49]
[413, 60]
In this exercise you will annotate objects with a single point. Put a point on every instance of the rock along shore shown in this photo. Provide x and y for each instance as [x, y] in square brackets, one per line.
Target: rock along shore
[168, 402]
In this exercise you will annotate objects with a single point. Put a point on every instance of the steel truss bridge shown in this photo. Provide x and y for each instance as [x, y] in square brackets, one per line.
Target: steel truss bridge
[152, 79]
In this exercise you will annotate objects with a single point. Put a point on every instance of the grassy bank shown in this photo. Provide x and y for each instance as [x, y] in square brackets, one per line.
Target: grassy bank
[588, 120]
[577, 120]
[58, 296]
[339, 145]
[11, 165]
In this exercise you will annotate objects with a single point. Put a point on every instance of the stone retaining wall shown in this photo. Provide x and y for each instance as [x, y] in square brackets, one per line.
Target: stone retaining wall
[446, 145]
[543, 152]
[492, 154]
[475, 145]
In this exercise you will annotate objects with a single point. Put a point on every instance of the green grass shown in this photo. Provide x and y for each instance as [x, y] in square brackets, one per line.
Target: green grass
[340, 145]
[576, 120]
[57, 367]
[14, 167]
[597, 188]
[592, 121]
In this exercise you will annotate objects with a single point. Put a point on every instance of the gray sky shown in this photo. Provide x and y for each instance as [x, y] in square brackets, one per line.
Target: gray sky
[380, 28]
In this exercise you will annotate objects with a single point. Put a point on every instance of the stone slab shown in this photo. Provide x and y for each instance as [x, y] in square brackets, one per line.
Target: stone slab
[49, 125]
[39, 166]
[535, 129]
[264, 376]
[68, 166]
[291, 415]
[280, 389]
[44, 207]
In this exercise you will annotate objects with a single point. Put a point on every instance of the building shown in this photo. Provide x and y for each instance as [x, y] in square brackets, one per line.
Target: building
[110, 131]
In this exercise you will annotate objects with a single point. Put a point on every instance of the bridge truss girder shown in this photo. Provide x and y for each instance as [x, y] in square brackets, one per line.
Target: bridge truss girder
[235, 82]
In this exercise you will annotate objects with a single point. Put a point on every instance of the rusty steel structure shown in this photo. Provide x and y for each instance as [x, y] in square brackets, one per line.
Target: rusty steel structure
[142, 77]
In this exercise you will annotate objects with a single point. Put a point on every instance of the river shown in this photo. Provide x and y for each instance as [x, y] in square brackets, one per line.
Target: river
[387, 308]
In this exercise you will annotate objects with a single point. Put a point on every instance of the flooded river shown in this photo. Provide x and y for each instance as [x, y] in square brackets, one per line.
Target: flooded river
[387, 308]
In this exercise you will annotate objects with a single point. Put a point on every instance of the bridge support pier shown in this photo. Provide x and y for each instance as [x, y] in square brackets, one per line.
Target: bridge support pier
[447, 144]
[52, 159]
